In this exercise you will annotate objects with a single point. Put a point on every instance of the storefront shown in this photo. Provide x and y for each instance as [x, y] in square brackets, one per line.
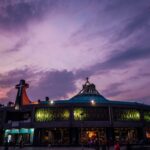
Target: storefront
[53, 136]
[126, 135]
[147, 134]
[90, 136]
[15, 136]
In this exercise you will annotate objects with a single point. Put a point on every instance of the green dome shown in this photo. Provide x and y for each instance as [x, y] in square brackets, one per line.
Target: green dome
[87, 94]
[87, 99]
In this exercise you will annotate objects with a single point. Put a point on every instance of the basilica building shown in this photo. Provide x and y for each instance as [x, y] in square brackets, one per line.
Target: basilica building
[84, 119]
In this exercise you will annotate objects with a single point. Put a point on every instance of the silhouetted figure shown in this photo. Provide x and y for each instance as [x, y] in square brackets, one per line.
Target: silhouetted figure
[14, 144]
[128, 146]
[116, 146]
[6, 147]
[104, 147]
[96, 145]
[21, 144]
[108, 144]
[49, 145]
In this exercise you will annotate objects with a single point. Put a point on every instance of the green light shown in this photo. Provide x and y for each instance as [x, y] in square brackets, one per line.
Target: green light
[43, 115]
[79, 114]
[48, 114]
[14, 131]
[147, 116]
[7, 131]
[65, 115]
[23, 130]
[31, 130]
[131, 115]
[19, 131]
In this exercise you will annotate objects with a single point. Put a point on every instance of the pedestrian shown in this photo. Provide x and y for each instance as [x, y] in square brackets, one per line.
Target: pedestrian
[21, 144]
[116, 146]
[49, 145]
[6, 147]
[104, 147]
[128, 146]
[107, 144]
[6, 144]
[97, 145]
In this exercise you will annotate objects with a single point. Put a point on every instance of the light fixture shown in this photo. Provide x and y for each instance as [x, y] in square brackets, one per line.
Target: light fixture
[93, 102]
[51, 102]
[17, 107]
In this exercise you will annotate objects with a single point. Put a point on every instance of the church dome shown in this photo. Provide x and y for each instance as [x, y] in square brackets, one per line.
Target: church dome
[87, 94]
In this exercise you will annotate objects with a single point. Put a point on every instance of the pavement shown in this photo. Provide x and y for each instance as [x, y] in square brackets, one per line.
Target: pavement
[55, 148]
[46, 148]
[71, 148]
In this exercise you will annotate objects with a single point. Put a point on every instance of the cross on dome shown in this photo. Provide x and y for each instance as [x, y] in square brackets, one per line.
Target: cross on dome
[88, 88]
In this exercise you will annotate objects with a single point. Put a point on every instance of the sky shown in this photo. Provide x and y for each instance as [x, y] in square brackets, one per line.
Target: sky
[55, 44]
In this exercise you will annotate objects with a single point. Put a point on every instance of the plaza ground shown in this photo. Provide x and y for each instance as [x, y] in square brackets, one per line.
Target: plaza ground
[74, 148]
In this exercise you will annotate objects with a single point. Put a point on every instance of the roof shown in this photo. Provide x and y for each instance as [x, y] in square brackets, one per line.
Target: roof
[87, 94]
[87, 98]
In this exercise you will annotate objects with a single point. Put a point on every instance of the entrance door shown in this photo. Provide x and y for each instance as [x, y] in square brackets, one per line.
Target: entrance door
[90, 136]
[54, 136]
[14, 136]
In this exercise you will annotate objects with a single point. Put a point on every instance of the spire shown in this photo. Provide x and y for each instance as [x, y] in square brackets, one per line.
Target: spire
[22, 98]
[88, 88]
[87, 80]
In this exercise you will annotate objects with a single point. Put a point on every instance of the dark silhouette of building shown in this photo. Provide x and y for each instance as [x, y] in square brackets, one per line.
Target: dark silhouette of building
[88, 118]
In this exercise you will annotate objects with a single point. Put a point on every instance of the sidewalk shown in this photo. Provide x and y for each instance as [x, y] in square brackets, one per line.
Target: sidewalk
[73, 148]
[55, 148]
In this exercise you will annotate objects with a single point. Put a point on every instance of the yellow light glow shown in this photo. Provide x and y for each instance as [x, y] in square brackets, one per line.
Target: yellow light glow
[91, 134]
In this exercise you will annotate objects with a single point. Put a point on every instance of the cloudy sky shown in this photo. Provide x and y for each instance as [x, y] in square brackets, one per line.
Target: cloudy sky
[55, 44]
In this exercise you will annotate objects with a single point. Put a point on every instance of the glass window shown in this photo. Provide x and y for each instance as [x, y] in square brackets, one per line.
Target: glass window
[54, 136]
[126, 135]
[91, 136]
[91, 114]
[146, 115]
[50, 114]
[16, 135]
[147, 133]
[123, 114]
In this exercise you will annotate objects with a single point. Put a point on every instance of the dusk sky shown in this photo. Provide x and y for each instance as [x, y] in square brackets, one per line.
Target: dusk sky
[55, 44]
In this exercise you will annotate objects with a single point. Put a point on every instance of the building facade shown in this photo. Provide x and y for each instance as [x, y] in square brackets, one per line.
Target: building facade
[86, 118]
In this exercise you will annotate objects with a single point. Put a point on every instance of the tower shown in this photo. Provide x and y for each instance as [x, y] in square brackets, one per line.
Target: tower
[22, 98]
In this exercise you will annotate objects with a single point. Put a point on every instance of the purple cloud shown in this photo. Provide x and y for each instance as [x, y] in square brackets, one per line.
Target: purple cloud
[16, 14]
[65, 41]
[54, 84]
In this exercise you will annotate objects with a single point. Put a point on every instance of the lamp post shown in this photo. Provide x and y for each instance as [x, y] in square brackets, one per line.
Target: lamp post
[81, 116]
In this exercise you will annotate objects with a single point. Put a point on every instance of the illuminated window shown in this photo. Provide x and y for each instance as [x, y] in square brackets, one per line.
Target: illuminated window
[26, 133]
[43, 115]
[50, 114]
[148, 133]
[147, 116]
[121, 114]
[91, 114]
[65, 115]
[79, 114]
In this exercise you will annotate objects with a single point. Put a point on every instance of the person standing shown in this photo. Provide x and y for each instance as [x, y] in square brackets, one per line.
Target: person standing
[6, 147]
[116, 146]
[97, 145]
